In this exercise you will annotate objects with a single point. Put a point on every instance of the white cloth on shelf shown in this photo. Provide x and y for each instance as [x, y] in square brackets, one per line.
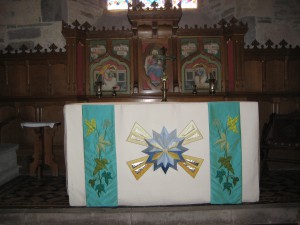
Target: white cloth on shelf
[38, 124]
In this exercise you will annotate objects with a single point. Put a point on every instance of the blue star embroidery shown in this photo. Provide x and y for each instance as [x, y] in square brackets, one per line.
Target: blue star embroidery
[165, 150]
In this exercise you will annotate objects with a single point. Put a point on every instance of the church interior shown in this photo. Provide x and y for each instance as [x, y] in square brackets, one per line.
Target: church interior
[55, 53]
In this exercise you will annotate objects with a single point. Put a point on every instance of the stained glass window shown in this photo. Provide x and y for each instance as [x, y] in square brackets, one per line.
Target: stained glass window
[118, 4]
[186, 4]
[122, 4]
[148, 3]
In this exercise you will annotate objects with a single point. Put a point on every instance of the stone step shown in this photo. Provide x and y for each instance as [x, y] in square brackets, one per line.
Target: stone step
[174, 215]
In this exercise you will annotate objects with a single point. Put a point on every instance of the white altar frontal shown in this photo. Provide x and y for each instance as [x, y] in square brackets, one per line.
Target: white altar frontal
[147, 154]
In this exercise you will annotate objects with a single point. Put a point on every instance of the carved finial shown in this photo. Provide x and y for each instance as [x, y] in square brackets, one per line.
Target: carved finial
[23, 48]
[222, 23]
[255, 43]
[139, 6]
[53, 47]
[9, 49]
[283, 44]
[168, 4]
[76, 24]
[38, 48]
[233, 21]
[86, 26]
[269, 43]
[154, 4]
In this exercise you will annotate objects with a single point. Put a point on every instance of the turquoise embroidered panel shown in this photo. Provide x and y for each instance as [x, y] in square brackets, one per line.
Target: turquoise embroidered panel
[225, 152]
[100, 155]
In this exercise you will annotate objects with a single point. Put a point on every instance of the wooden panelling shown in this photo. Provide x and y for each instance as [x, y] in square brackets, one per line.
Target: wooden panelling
[38, 80]
[7, 112]
[3, 81]
[17, 79]
[54, 113]
[58, 79]
[265, 109]
[286, 105]
[253, 76]
[293, 82]
[275, 75]
[27, 111]
[34, 74]
[8, 121]
[11, 132]
[11, 116]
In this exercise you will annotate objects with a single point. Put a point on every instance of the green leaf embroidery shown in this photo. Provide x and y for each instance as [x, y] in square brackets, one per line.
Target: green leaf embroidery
[225, 161]
[220, 175]
[91, 126]
[107, 176]
[232, 122]
[100, 164]
[222, 141]
[102, 143]
[227, 186]
[106, 124]
[235, 180]
[100, 188]
[225, 175]
[99, 182]
[92, 182]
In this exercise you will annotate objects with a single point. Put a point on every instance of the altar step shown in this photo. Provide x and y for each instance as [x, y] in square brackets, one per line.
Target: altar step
[251, 214]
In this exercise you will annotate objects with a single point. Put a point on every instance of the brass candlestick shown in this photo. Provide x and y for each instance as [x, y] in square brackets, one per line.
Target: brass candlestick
[98, 88]
[212, 82]
[195, 89]
[114, 93]
[164, 89]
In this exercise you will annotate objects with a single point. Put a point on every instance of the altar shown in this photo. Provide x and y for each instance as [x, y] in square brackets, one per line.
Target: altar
[168, 153]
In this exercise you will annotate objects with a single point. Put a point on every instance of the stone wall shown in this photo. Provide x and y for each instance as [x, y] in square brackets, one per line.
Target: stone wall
[33, 22]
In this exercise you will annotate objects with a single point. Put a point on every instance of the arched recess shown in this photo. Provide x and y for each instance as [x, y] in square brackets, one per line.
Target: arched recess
[198, 70]
[112, 73]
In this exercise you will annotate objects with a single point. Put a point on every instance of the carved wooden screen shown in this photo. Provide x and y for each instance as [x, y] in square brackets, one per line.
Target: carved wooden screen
[134, 61]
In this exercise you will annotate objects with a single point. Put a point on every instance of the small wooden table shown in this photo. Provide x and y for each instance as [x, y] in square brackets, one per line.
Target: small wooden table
[43, 153]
